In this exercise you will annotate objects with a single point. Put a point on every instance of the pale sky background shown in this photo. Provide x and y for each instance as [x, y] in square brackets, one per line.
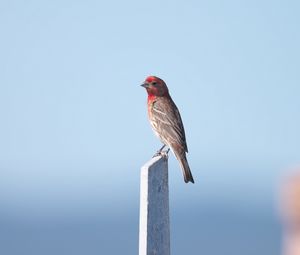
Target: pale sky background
[74, 132]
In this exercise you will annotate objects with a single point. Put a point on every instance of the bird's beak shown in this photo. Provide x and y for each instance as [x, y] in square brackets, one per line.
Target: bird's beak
[145, 85]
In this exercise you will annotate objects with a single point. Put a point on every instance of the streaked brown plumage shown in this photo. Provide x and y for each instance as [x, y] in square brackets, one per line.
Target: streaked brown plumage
[166, 122]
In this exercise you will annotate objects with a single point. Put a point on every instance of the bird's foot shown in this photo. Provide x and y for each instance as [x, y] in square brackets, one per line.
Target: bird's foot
[165, 154]
[161, 153]
[158, 153]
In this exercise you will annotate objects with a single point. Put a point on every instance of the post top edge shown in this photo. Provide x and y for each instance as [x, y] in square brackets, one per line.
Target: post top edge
[154, 160]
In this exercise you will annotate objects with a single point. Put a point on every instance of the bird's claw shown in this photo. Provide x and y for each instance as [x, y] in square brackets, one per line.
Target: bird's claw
[165, 153]
[161, 153]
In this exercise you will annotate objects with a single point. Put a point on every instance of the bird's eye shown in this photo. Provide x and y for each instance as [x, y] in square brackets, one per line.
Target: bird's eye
[154, 83]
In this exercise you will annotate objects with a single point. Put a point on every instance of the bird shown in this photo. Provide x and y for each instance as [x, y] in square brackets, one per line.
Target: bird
[166, 122]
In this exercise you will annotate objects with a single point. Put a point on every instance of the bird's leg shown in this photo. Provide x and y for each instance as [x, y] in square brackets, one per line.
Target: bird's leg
[165, 153]
[160, 150]
[158, 153]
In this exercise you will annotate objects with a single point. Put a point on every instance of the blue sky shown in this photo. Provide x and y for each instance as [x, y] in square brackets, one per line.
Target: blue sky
[73, 116]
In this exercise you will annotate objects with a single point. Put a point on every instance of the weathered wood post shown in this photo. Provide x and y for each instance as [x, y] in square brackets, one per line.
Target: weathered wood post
[154, 234]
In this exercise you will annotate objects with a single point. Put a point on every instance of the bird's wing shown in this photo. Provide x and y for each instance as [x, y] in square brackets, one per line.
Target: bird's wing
[167, 122]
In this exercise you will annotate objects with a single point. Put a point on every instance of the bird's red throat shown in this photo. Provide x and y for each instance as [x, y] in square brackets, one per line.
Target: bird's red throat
[151, 97]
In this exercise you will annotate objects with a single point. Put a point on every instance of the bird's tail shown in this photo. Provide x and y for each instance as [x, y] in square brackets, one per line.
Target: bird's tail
[187, 174]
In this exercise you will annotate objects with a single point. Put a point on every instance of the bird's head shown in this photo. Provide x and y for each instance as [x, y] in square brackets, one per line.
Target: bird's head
[155, 86]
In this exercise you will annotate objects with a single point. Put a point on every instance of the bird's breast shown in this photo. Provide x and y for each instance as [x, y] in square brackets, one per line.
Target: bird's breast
[150, 102]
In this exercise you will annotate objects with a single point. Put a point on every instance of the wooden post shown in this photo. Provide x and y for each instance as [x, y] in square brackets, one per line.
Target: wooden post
[154, 235]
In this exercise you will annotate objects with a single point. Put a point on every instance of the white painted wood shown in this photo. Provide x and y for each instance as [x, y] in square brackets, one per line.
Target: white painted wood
[154, 235]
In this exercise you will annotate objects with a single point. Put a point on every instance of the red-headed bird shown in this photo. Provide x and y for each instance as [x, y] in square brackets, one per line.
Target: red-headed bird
[166, 122]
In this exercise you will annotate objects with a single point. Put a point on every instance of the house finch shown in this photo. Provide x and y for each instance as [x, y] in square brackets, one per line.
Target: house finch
[166, 122]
